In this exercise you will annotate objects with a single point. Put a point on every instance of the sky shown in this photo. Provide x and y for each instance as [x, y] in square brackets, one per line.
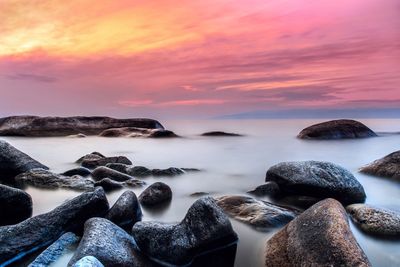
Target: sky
[197, 58]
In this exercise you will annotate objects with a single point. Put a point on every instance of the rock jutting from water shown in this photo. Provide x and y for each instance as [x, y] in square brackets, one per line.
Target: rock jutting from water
[375, 221]
[82, 171]
[64, 126]
[105, 172]
[316, 179]
[205, 228]
[320, 236]
[15, 205]
[126, 211]
[140, 171]
[267, 189]
[33, 234]
[88, 261]
[220, 134]
[388, 166]
[138, 132]
[96, 159]
[337, 129]
[157, 193]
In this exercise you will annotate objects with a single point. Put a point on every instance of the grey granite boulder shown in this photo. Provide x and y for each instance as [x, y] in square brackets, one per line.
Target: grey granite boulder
[267, 189]
[88, 261]
[155, 194]
[388, 166]
[15, 205]
[104, 172]
[82, 171]
[126, 211]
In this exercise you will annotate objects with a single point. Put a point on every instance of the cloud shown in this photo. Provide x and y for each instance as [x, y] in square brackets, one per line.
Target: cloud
[32, 77]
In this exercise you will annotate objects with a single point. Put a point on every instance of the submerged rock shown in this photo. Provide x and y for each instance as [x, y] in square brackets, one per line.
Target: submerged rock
[220, 133]
[204, 229]
[15, 205]
[267, 189]
[92, 156]
[155, 194]
[257, 213]
[92, 162]
[88, 261]
[375, 221]
[82, 171]
[14, 162]
[140, 171]
[79, 135]
[64, 126]
[126, 211]
[47, 179]
[109, 185]
[37, 232]
[137, 132]
[317, 179]
[56, 250]
[108, 243]
[388, 166]
[336, 129]
[320, 236]
[104, 172]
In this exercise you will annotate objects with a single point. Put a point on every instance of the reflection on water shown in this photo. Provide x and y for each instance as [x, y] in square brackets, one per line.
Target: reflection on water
[232, 165]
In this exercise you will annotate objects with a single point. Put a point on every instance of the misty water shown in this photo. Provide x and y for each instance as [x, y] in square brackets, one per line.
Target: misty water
[230, 165]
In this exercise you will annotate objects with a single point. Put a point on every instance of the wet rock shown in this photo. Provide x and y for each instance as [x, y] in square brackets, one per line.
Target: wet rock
[88, 261]
[220, 133]
[204, 228]
[167, 172]
[108, 243]
[155, 194]
[199, 194]
[92, 156]
[109, 185]
[15, 205]
[137, 132]
[320, 236]
[14, 162]
[64, 126]
[79, 135]
[388, 166]
[38, 232]
[126, 211]
[56, 250]
[257, 213]
[375, 221]
[47, 179]
[336, 129]
[104, 172]
[93, 161]
[82, 171]
[267, 189]
[317, 179]
[140, 171]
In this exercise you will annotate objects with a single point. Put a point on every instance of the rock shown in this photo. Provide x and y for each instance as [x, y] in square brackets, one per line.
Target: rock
[88, 261]
[167, 172]
[14, 162]
[204, 229]
[140, 171]
[126, 211]
[82, 171]
[92, 156]
[137, 132]
[110, 244]
[109, 185]
[133, 183]
[15, 205]
[56, 250]
[155, 194]
[320, 236]
[35, 233]
[267, 189]
[389, 166]
[220, 133]
[199, 194]
[375, 221]
[336, 129]
[104, 172]
[47, 179]
[190, 169]
[317, 179]
[64, 126]
[94, 161]
[257, 213]
[79, 135]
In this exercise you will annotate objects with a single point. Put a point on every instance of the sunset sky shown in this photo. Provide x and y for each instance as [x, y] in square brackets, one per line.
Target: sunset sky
[204, 58]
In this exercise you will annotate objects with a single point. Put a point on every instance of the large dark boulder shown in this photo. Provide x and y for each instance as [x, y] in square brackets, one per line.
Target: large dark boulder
[388, 166]
[260, 214]
[38, 232]
[320, 236]
[15, 205]
[47, 179]
[14, 162]
[155, 194]
[64, 126]
[126, 211]
[337, 129]
[110, 244]
[317, 179]
[137, 132]
[267, 189]
[375, 221]
[205, 228]
[92, 161]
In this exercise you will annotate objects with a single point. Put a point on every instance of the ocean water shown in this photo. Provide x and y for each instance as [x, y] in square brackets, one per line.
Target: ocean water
[230, 165]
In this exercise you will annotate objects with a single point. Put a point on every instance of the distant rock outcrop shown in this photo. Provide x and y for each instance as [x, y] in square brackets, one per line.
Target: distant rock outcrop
[220, 133]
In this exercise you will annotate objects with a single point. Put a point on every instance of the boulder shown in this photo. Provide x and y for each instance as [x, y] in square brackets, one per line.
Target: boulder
[205, 228]
[267, 189]
[64, 244]
[220, 133]
[137, 132]
[35, 233]
[47, 179]
[14, 162]
[320, 236]
[155, 194]
[375, 221]
[92, 162]
[82, 171]
[316, 179]
[140, 171]
[337, 129]
[126, 211]
[79, 135]
[104, 172]
[92, 156]
[388, 166]
[109, 185]
[64, 126]
[108, 243]
[15, 205]
[260, 214]
[88, 261]
[172, 171]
